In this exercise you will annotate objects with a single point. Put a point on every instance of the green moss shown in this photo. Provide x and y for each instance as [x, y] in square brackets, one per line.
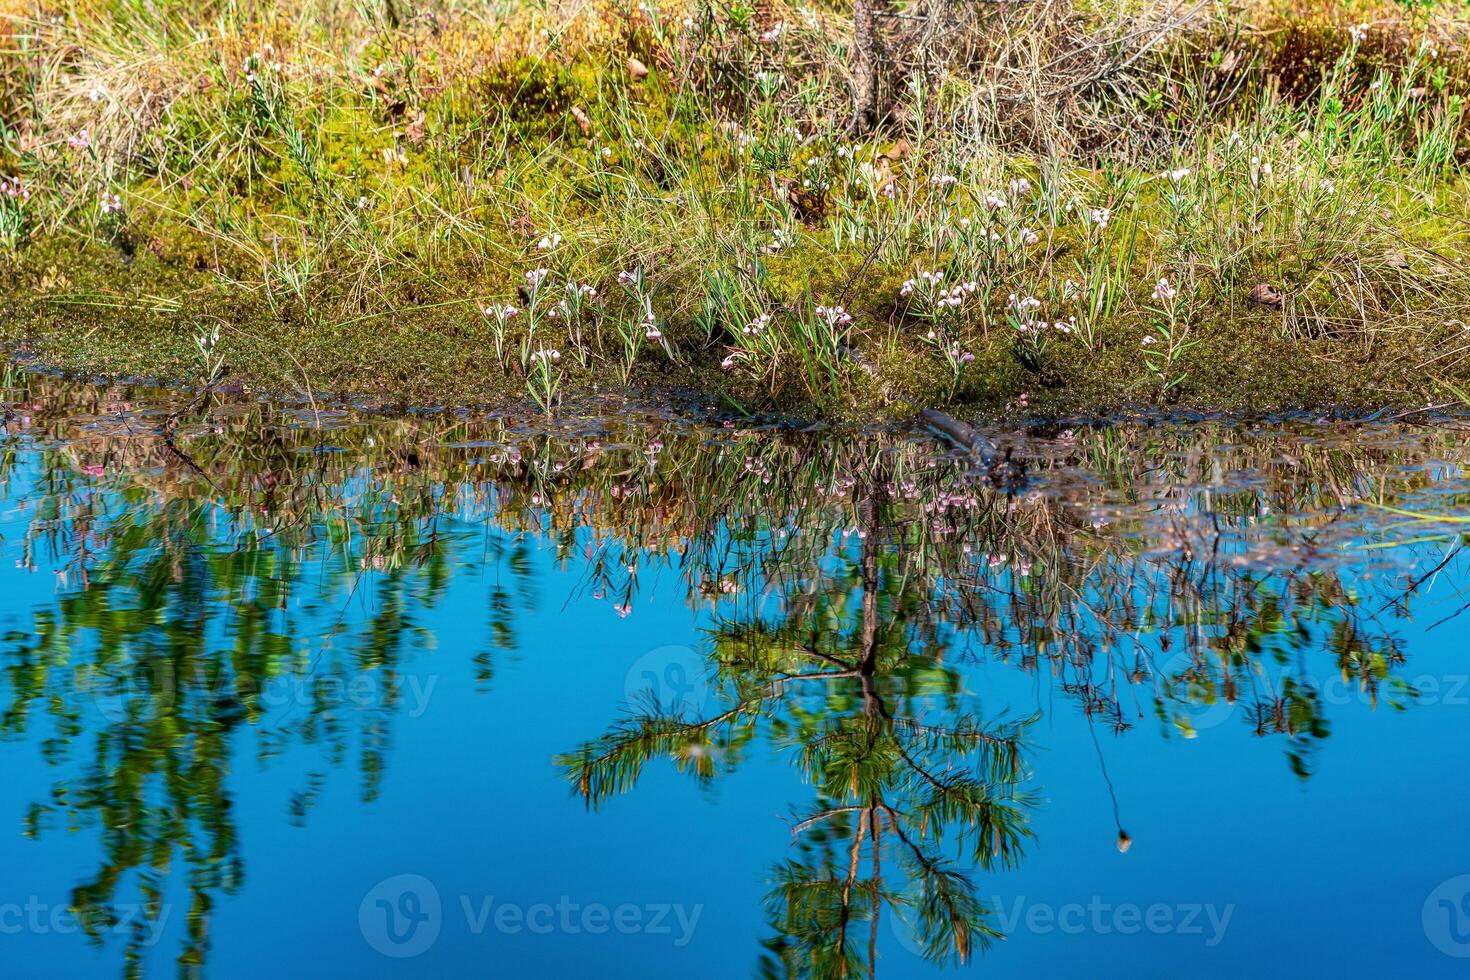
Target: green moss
[250, 217]
[90, 309]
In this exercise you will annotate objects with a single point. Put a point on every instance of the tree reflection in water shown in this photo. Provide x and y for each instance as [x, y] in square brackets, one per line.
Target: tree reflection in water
[203, 562]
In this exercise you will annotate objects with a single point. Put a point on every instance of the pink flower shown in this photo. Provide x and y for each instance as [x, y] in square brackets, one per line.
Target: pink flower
[80, 141]
[15, 188]
[835, 316]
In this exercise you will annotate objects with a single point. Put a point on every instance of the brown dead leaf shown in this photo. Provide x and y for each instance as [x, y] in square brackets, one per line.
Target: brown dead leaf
[582, 120]
[637, 69]
[1265, 294]
[1394, 259]
[414, 131]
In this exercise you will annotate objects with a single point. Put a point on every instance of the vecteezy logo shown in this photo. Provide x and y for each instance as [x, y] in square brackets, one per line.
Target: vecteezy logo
[672, 675]
[1446, 917]
[1191, 712]
[401, 916]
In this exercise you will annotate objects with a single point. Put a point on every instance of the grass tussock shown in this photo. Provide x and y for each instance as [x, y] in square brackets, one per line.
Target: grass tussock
[1058, 206]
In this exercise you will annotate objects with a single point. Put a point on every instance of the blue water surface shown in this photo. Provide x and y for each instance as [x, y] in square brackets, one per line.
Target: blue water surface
[446, 834]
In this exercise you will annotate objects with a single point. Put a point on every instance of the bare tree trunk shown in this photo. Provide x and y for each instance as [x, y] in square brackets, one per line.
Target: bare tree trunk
[865, 67]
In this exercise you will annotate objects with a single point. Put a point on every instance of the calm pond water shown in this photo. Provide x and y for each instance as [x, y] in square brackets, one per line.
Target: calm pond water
[623, 695]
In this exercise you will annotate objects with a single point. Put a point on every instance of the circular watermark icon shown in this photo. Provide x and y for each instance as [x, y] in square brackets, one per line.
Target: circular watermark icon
[130, 692]
[1191, 711]
[674, 676]
[401, 916]
[1446, 917]
[905, 930]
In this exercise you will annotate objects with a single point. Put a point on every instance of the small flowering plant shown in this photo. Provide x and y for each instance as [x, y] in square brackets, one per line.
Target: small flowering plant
[1033, 332]
[1169, 339]
[939, 307]
[211, 361]
[544, 378]
[574, 309]
[498, 316]
[111, 206]
[534, 290]
[642, 327]
[14, 220]
[755, 342]
[820, 337]
[808, 193]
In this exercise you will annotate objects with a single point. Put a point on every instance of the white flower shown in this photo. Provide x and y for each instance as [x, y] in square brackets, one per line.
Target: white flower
[111, 203]
[549, 242]
[1019, 187]
[537, 276]
[1100, 216]
[1148, 341]
[97, 93]
[1176, 175]
[1165, 292]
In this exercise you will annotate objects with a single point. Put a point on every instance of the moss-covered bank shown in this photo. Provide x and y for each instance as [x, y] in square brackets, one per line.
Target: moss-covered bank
[489, 201]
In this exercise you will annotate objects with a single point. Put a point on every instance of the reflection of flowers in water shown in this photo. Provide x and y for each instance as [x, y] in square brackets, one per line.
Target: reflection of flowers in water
[1036, 565]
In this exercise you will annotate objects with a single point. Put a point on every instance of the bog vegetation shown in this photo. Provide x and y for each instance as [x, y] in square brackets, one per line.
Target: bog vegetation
[1013, 207]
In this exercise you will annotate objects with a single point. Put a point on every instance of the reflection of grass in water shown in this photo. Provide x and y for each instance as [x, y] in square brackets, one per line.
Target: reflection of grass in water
[867, 555]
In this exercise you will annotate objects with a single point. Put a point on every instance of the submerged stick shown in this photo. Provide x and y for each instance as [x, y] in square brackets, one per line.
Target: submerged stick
[950, 428]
